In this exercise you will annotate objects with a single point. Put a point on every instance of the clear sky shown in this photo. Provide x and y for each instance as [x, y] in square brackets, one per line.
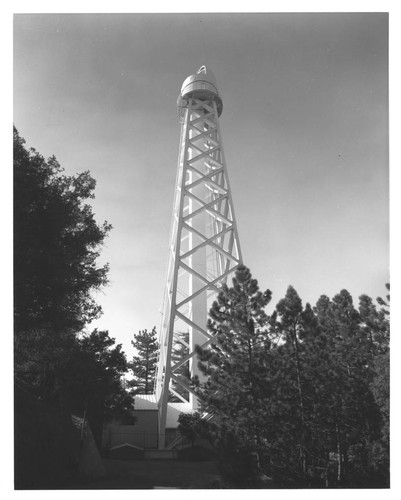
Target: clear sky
[304, 127]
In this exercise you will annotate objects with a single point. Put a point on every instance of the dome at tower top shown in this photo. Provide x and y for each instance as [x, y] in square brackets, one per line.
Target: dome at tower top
[205, 75]
[201, 85]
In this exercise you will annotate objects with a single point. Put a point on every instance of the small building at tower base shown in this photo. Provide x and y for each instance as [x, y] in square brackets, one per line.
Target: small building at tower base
[132, 440]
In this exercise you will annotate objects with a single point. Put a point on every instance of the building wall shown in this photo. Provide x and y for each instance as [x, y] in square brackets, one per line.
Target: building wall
[142, 434]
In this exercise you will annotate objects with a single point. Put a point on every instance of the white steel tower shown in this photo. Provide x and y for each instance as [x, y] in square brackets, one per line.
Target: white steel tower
[204, 245]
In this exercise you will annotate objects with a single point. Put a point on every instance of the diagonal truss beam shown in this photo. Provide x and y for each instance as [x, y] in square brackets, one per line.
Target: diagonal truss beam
[190, 355]
[204, 177]
[209, 210]
[208, 241]
[211, 285]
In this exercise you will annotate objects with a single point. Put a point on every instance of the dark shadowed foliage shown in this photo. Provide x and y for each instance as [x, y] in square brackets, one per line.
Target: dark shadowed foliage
[56, 247]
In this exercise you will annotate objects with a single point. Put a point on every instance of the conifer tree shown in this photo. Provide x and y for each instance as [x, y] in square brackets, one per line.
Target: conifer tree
[306, 388]
[235, 364]
[292, 322]
[323, 373]
[351, 414]
[143, 365]
[376, 323]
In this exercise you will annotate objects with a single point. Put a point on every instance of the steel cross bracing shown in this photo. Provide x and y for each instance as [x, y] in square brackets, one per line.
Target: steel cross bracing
[204, 252]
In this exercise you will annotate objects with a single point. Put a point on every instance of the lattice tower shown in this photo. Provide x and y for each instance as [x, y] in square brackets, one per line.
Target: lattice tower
[204, 247]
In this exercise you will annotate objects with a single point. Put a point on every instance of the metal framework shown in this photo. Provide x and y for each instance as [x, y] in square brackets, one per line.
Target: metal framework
[204, 246]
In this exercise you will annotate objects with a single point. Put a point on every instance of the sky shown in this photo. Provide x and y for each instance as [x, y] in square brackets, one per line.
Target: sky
[304, 130]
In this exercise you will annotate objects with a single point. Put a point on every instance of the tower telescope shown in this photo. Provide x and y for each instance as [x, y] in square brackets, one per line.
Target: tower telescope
[204, 249]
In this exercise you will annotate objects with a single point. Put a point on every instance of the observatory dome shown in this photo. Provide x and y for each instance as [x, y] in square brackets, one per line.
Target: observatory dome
[201, 85]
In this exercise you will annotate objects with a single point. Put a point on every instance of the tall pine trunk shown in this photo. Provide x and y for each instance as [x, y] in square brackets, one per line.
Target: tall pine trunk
[301, 403]
[339, 463]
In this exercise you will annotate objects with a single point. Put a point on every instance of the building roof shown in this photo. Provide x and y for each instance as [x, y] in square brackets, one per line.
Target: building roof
[145, 402]
[148, 402]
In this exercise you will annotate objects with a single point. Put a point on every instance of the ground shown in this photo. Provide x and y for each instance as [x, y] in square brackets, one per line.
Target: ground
[154, 474]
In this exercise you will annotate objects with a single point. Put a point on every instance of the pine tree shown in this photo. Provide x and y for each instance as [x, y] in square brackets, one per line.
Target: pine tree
[143, 365]
[191, 426]
[235, 364]
[376, 323]
[351, 414]
[322, 392]
[293, 324]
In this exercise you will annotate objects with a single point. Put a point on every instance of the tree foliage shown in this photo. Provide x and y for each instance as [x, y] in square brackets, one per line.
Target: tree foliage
[300, 390]
[235, 365]
[191, 426]
[56, 247]
[95, 373]
[143, 365]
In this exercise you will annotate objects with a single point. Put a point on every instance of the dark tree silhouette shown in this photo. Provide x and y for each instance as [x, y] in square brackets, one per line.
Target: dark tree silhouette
[61, 367]
[56, 246]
